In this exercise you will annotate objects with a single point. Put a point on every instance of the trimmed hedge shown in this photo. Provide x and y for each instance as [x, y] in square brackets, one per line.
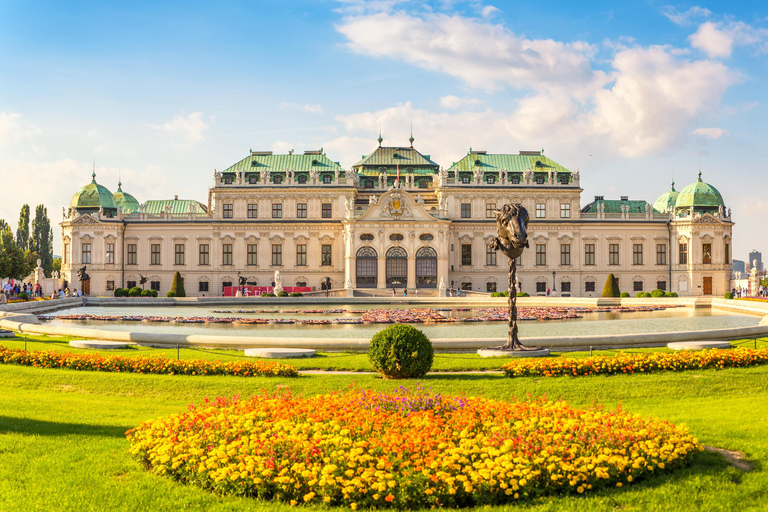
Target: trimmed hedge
[624, 294]
[177, 285]
[135, 292]
[401, 352]
[611, 288]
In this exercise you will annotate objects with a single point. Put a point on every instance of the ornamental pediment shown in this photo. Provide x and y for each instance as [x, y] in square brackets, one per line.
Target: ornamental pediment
[707, 219]
[85, 219]
[394, 205]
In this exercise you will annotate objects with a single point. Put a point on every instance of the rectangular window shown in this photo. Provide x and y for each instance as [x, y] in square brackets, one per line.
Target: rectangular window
[565, 211]
[110, 254]
[202, 286]
[727, 254]
[466, 254]
[277, 211]
[325, 253]
[565, 254]
[131, 255]
[252, 254]
[637, 286]
[130, 284]
[226, 254]
[661, 285]
[541, 254]
[541, 287]
[277, 255]
[637, 254]
[301, 255]
[154, 285]
[154, 254]
[110, 285]
[706, 253]
[565, 286]
[661, 254]
[253, 213]
[466, 286]
[65, 256]
[490, 210]
[683, 253]
[301, 210]
[613, 254]
[490, 256]
[228, 210]
[327, 210]
[86, 252]
[203, 255]
[541, 210]
[466, 211]
[589, 254]
[226, 284]
[178, 252]
[490, 287]
[589, 286]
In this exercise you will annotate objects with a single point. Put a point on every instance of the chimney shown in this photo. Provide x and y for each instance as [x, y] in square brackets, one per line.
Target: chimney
[625, 198]
[599, 198]
[175, 198]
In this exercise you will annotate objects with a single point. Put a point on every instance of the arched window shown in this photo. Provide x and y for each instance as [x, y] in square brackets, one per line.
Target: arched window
[426, 268]
[397, 268]
[367, 268]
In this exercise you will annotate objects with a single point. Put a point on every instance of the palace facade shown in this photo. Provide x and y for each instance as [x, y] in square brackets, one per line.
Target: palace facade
[397, 219]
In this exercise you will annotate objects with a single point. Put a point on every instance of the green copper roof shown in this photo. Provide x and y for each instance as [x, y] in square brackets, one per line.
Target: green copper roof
[614, 206]
[699, 195]
[512, 163]
[177, 206]
[93, 196]
[260, 162]
[124, 200]
[389, 158]
[666, 201]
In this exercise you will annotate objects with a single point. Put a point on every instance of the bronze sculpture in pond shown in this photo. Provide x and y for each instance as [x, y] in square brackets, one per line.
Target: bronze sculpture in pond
[512, 240]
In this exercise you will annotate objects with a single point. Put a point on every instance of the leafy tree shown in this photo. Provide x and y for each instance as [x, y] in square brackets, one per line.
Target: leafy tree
[11, 257]
[42, 238]
[22, 232]
[3, 225]
[30, 261]
[177, 286]
[56, 267]
[611, 288]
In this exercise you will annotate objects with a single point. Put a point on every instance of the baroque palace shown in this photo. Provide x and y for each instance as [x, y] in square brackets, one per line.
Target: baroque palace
[397, 219]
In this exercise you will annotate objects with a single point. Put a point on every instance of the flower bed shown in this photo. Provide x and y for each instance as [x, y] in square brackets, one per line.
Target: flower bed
[363, 449]
[649, 362]
[139, 364]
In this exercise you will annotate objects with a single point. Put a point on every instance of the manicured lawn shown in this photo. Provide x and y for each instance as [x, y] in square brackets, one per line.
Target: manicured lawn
[62, 444]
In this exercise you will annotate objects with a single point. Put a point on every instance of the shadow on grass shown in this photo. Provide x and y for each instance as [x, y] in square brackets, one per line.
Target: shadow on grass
[10, 424]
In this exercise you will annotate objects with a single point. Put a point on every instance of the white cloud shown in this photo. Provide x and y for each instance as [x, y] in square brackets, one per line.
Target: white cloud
[456, 102]
[710, 133]
[489, 10]
[718, 39]
[190, 127]
[13, 129]
[685, 18]
[282, 146]
[314, 109]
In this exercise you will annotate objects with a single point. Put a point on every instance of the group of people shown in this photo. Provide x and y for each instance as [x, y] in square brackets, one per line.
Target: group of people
[13, 290]
[743, 291]
[65, 293]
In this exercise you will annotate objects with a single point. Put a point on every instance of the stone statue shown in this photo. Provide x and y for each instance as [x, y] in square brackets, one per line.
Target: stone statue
[82, 276]
[442, 287]
[278, 283]
[349, 283]
[373, 199]
[142, 280]
[512, 240]
[419, 199]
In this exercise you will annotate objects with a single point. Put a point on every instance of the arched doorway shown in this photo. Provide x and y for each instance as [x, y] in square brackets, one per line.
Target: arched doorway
[367, 268]
[426, 268]
[397, 268]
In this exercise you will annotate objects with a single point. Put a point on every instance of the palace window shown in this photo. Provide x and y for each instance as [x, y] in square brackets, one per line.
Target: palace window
[589, 254]
[228, 211]
[541, 287]
[727, 254]
[178, 252]
[301, 284]
[637, 286]
[277, 211]
[539, 180]
[367, 237]
[565, 286]
[228, 180]
[425, 237]
[253, 211]
[541, 210]
[565, 210]
[325, 254]
[226, 284]
[515, 180]
[131, 255]
[466, 211]
[154, 285]
[683, 254]
[130, 284]
[613, 254]
[226, 254]
[301, 255]
[490, 256]
[86, 252]
[302, 179]
[327, 210]
[203, 254]
[110, 254]
[252, 180]
[541, 254]
[110, 285]
[396, 237]
[154, 254]
[465, 179]
[661, 254]
[491, 180]
[252, 251]
[706, 254]
[565, 254]
[278, 180]
[490, 210]
[490, 287]
[65, 256]
[637, 254]
[202, 286]
[466, 286]
[661, 285]
[466, 254]
[564, 181]
[326, 178]
[589, 286]
[301, 210]
[277, 255]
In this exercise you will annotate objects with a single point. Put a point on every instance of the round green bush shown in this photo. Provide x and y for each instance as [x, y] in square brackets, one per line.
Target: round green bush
[267, 294]
[146, 293]
[23, 295]
[521, 294]
[624, 294]
[119, 292]
[497, 294]
[154, 293]
[642, 295]
[670, 294]
[282, 293]
[297, 294]
[401, 352]
[134, 292]
[657, 293]
[728, 295]
[170, 294]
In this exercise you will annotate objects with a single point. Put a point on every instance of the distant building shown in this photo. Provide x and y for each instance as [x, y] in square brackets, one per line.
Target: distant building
[739, 266]
[756, 255]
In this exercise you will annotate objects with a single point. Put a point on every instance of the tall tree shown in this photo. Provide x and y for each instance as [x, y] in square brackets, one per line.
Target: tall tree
[11, 257]
[22, 232]
[3, 225]
[42, 238]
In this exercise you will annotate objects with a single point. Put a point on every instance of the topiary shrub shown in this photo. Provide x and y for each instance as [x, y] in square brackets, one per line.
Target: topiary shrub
[521, 294]
[134, 292]
[267, 294]
[146, 293]
[624, 294]
[154, 293]
[282, 293]
[297, 294]
[401, 352]
[729, 295]
[670, 294]
[643, 295]
[497, 294]
[611, 288]
[119, 292]
[23, 296]
[177, 285]
[170, 294]
[657, 293]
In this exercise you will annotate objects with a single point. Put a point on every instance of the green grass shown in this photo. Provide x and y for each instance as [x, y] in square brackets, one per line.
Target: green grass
[62, 444]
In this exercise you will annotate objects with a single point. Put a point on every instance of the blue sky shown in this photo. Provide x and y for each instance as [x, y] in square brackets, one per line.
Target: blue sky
[633, 95]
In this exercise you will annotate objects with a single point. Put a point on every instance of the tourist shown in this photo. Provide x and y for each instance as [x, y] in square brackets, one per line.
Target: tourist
[61, 294]
[548, 292]
[405, 292]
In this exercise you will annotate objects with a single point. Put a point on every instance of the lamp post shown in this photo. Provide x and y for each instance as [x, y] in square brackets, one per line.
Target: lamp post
[554, 283]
